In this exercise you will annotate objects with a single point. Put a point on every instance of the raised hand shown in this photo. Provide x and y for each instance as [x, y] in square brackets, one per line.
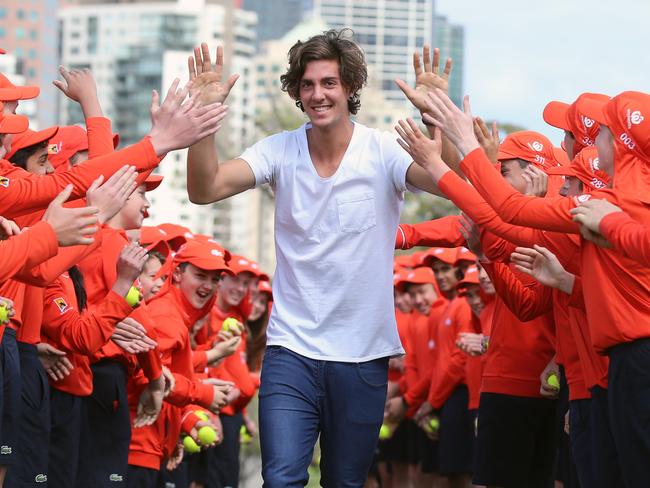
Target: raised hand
[73, 226]
[8, 228]
[590, 213]
[205, 79]
[110, 197]
[472, 234]
[129, 266]
[426, 152]
[426, 79]
[456, 124]
[489, 140]
[180, 123]
[543, 265]
[536, 181]
[80, 86]
[54, 361]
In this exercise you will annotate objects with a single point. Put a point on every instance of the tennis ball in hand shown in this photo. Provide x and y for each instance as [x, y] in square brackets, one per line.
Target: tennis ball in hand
[433, 425]
[4, 314]
[202, 415]
[385, 432]
[190, 445]
[244, 436]
[230, 325]
[553, 381]
[207, 435]
[133, 297]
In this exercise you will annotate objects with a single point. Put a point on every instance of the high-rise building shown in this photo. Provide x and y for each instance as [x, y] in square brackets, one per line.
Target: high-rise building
[28, 32]
[8, 67]
[275, 18]
[450, 38]
[135, 47]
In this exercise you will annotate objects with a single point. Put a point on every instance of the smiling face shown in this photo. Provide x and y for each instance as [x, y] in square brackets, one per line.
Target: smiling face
[38, 163]
[233, 289]
[260, 305]
[323, 96]
[422, 296]
[150, 284]
[197, 285]
[135, 209]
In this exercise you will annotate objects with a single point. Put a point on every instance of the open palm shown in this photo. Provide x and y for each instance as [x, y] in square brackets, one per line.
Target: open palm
[206, 82]
[426, 79]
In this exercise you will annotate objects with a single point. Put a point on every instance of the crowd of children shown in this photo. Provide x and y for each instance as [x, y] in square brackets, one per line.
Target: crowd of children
[129, 353]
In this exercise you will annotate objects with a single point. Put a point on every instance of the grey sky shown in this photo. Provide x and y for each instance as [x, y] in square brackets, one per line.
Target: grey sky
[521, 54]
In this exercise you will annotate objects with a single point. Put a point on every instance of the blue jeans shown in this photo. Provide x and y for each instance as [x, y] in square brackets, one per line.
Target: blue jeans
[301, 398]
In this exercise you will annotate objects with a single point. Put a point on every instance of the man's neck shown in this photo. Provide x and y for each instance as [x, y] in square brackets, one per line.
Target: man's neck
[327, 146]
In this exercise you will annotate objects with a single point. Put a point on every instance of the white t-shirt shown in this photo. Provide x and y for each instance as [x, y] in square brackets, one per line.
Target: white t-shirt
[334, 237]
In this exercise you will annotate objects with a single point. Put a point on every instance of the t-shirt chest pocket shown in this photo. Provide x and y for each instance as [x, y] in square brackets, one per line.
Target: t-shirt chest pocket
[356, 212]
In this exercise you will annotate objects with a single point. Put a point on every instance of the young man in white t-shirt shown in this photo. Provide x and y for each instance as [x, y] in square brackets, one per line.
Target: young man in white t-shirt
[338, 189]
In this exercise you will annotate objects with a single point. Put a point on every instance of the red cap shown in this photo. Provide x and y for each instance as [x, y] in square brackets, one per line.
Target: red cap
[464, 254]
[203, 256]
[444, 254]
[175, 235]
[529, 146]
[29, 138]
[406, 261]
[585, 167]
[12, 124]
[470, 278]
[239, 264]
[573, 119]
[417, 276]
[69, 140]
[10, 92]
[628, 117]
[153, 239]
[152, 182]
[265, 287]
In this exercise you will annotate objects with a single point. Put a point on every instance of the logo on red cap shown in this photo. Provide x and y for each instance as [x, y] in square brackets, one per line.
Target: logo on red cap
[587, 122]
[634, 118]
[536, 146]
[4, 181]
[216, 252]
[595, 164]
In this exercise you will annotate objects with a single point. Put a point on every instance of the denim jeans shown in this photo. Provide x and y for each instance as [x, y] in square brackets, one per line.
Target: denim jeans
[301, 398]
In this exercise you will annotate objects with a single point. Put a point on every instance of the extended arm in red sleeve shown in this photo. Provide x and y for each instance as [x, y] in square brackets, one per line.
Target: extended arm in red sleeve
[28, 249]
[627, 236]
[100, 136]
[525, 301]
[83, 333]
[34, 192]
[551, 213]
[441, 232]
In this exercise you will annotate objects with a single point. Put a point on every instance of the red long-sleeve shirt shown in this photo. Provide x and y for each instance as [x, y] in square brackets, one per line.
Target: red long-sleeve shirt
[78, 334]
[627, 236]
[26, 250]
[615, 287]
[450, 363]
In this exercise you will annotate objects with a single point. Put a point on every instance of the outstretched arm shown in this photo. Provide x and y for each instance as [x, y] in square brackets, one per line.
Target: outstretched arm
[208, 180]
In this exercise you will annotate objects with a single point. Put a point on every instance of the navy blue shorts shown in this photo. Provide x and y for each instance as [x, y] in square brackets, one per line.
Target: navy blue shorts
[65, 437]
[426, 452]
[607, 468]
[456, 436]
[11, 404]
[629, 409]
[400, 447]
[31, 465]
[105, 429]
[515, 444]
[139, 477]
[178, 478]
[223, 460]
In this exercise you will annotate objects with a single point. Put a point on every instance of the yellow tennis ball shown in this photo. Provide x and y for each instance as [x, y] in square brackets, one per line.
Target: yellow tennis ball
[4, 314]
[433, 425]
[244, 436]
[553, 381]
[201, 414]
[384, 432]
[207, 435]
[230, 325]
[133, 296]
[190, 445]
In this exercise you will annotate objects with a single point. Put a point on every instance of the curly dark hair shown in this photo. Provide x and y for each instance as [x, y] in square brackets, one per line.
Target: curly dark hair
[331, 45]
